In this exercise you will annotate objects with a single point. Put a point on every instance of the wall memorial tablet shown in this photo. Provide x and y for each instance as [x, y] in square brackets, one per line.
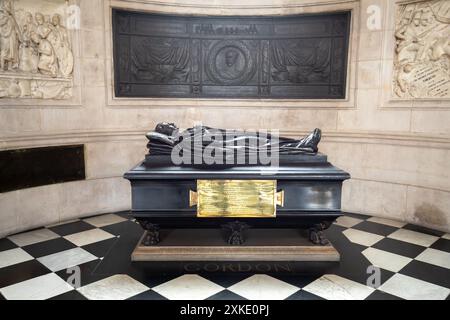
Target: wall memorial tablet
[302, 56]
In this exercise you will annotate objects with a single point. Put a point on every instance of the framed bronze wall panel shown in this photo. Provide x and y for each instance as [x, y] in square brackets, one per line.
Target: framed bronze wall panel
[291, 57]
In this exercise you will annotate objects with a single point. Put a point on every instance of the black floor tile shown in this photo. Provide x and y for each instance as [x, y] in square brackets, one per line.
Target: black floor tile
[151, 279]
[353, 265]
[385, 275]
[414, 227]
[225, 279]
[427, 272]
[2, 297]
[6, 244]
[45, 248]
[380, 295]
[102, 248]
[399, 247]
[71, 295]
[21, 272]
[299, 281]
[124, 228]
[148, 295]
[72, 227]
[304, 295]
[356, 215]
[442, 244]
[226, 295]
[334, 229]
[124, 214]
[372, 227]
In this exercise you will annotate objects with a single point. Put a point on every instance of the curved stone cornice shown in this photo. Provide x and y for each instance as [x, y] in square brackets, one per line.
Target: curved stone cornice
[89, 136]
[269, 4]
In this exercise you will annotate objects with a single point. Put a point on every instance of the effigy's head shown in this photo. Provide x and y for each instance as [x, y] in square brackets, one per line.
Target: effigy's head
[167, 128]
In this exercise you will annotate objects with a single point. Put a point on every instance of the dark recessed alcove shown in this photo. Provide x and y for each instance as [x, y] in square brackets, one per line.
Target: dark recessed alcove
[26, 168]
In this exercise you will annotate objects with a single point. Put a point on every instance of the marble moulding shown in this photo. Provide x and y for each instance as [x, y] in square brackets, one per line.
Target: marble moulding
[422, 50]
[36, 59]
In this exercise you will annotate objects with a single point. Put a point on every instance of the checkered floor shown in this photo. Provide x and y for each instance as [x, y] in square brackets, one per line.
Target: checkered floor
[414, 264]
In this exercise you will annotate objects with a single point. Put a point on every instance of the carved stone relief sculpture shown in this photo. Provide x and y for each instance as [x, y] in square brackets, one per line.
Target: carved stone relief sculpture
[36, 59]
[422, 51]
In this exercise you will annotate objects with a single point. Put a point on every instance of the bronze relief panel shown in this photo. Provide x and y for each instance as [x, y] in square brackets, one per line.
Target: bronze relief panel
[299, 57]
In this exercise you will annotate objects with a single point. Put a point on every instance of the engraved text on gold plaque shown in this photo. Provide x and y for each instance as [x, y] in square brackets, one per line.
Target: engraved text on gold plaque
[236, 198]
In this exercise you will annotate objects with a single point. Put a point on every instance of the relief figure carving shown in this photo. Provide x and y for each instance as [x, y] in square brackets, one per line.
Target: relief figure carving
[9, 37]
[36, 59]
[422, 52]
[29, 56]
[161, 60]
[297, 62]
[47, 64]
[43, 28]
[59, 40]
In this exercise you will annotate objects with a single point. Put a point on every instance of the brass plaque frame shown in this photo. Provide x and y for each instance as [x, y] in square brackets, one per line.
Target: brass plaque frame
[236, 198]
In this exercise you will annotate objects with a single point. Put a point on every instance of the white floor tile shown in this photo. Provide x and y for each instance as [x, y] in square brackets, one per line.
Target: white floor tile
[413, 289]
[104, 220]
[66, 259]
[39, 288]
[333, 287]
[386, 260]
[362, 237]
[388, 222]
[188, 287]
[436, 257]
[348, 222]
[13, 256]
[263, 287]
[87, 237]
[32, 237]
[117, 287]
[413, 237]
[446, 236]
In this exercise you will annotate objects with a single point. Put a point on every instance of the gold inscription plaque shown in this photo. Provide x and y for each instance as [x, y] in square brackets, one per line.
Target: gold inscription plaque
[236, 198]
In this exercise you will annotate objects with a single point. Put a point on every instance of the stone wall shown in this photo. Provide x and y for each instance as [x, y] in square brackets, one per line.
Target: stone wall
[397, 149]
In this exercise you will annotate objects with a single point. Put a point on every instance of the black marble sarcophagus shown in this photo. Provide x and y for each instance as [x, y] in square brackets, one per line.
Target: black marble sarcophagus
[303, 190]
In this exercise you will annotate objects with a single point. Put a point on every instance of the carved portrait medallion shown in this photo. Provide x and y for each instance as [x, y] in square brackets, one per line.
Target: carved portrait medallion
[230, 63]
